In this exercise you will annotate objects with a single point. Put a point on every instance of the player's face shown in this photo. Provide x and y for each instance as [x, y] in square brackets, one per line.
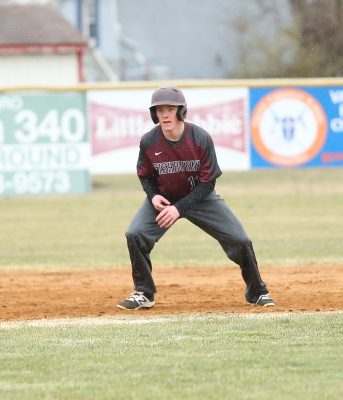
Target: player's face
[167, 117]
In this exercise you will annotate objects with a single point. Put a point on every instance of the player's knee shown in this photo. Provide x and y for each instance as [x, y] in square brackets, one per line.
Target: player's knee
[137, 238]
[239, 249]
[136, 235]
[244, 243]
[134, 239]
[132, 234]
[240, 243]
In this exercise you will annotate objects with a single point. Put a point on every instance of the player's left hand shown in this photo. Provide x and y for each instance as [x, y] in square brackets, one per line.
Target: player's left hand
[167, 217]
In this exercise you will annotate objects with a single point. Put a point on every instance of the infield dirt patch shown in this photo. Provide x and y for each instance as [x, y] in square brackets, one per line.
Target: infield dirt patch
[78, 293]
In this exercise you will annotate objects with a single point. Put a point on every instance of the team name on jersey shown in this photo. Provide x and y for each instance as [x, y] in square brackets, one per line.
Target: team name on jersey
[173, 167]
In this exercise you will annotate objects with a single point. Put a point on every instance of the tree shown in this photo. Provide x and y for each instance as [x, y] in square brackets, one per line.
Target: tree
[308, 42]
[320, 37]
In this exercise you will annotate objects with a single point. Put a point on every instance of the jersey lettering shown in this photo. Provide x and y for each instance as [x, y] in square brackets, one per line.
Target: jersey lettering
[173, 167]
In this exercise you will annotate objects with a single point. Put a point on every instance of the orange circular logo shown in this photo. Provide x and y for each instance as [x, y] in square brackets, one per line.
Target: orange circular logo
[288, 127]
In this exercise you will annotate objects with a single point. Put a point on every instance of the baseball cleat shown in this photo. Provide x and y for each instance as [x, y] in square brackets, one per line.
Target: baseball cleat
[265, 301]
[137, 300]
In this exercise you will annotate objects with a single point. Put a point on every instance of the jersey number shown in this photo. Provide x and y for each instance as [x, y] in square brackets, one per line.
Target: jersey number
[193, 181]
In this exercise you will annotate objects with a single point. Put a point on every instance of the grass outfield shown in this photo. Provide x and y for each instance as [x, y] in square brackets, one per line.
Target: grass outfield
[293, 217]
[218, 356]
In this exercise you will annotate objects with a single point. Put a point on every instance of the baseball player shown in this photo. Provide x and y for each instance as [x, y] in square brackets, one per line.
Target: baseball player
[177, 167]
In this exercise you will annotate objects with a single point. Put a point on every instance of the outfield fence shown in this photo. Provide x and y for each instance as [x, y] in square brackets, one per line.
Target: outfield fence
[54, 138]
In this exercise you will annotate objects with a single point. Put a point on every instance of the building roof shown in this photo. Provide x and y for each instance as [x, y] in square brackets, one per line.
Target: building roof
[36, 25]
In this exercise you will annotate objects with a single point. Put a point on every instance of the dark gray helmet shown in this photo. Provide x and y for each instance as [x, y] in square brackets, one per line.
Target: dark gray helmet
[171, 96]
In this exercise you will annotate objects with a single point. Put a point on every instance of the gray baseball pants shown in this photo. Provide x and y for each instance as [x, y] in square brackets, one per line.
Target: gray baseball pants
[214, 217]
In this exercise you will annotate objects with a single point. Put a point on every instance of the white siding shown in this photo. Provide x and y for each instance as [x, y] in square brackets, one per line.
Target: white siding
[45, 69]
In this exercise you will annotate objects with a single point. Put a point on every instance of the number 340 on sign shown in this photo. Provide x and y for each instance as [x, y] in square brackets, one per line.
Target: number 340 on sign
[67, 126]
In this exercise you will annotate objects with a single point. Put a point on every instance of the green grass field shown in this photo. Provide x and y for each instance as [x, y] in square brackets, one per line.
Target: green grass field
[293, 217]
[271, 356]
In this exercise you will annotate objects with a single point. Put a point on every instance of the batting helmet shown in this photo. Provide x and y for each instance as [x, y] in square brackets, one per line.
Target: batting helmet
[170, 96]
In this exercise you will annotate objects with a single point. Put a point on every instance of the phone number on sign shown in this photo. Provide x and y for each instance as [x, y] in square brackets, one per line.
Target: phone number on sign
[35, 182]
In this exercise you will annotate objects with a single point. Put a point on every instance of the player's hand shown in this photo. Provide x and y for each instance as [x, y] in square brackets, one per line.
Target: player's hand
[160, 202]
[167, 217]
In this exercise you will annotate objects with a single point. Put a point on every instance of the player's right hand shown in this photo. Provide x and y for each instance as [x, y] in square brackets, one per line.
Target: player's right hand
[167, 217]
[160, 202]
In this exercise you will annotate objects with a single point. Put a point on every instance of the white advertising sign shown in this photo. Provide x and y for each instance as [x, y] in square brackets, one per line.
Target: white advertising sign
[44, 145]
[118, 119]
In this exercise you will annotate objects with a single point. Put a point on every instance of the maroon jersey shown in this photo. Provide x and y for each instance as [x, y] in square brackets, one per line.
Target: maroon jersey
[177, 167]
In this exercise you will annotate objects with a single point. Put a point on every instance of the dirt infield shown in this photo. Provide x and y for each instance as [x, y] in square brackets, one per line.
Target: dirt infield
[46, 294]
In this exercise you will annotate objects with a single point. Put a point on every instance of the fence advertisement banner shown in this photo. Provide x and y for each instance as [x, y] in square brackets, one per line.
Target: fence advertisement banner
[118, 119]
[44, 146]
[293, 127]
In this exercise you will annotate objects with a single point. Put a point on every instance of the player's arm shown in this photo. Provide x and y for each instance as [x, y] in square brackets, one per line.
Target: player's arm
[158, 201]
[149, 186]
[146, 176]
[202, 190]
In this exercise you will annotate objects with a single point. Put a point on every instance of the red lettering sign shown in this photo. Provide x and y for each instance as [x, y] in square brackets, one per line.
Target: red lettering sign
[115, 128]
